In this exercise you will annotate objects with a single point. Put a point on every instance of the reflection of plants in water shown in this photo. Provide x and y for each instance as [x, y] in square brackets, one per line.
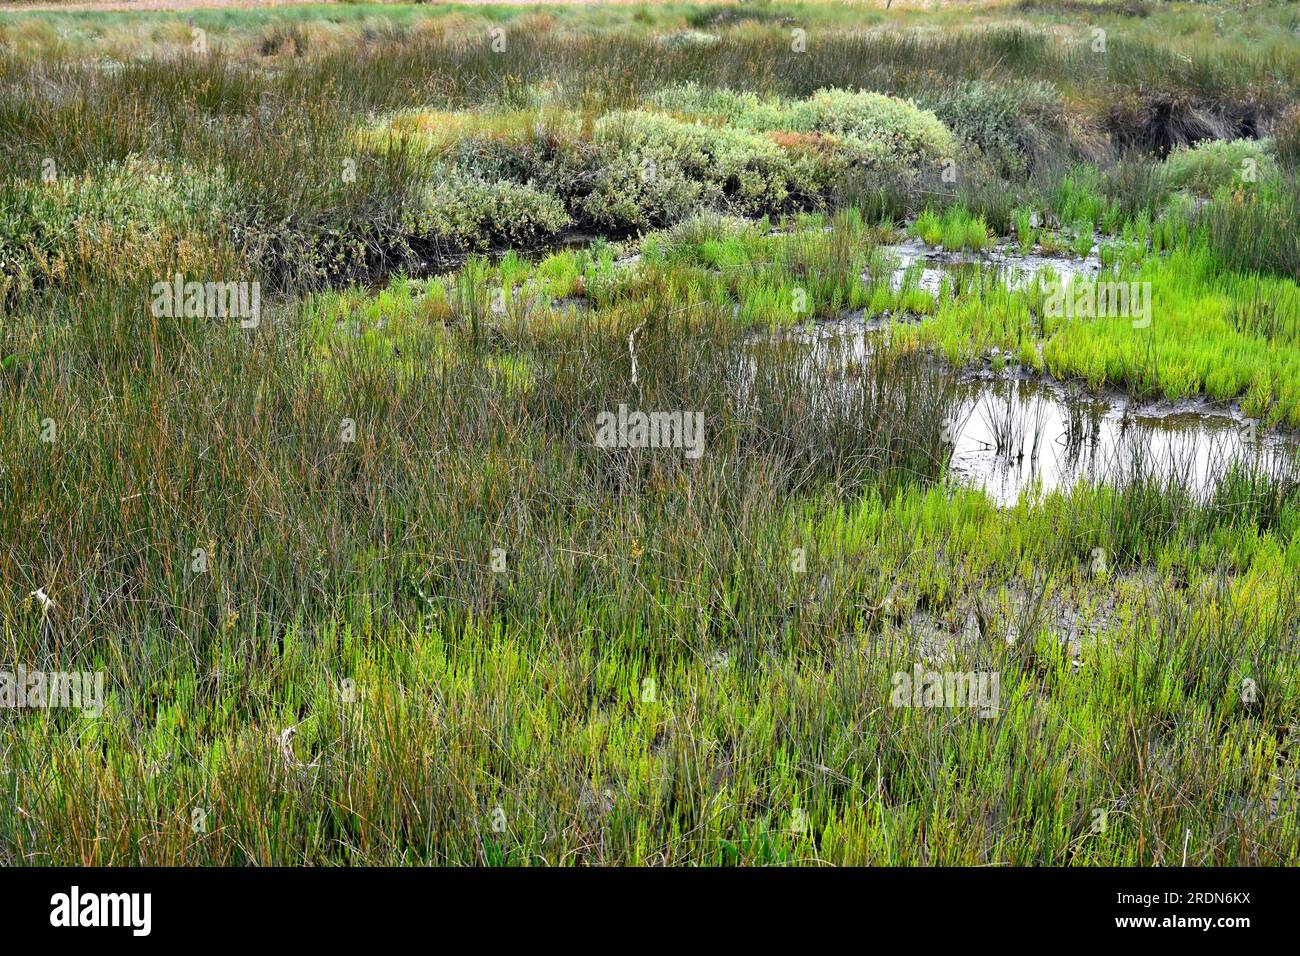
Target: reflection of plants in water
[1082, 426]
[1000, 421]
[1016, 430]
[1036, 436]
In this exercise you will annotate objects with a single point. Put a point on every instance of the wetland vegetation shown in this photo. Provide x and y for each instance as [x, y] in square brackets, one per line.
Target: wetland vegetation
[364, 582]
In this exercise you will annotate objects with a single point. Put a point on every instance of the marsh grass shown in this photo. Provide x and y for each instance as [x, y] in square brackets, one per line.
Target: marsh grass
[360, 578]
[350, 592]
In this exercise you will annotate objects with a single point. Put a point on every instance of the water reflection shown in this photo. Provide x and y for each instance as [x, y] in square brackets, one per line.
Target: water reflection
[1014, 435]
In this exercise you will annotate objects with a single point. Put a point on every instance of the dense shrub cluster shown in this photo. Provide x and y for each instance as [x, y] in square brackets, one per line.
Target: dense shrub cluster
[881, 132]
[461, 211]
[686, 150]
[1013, 124]
[1207, 167]
[656, 167]
[125, 219]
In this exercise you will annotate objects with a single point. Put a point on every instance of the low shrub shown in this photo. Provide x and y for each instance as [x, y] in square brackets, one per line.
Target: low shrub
[1012, 124]
[1208, 166]
[736, 107]
[688, 38]
[461, 212]
[657, 168]
[132, 218]
[694, 149]
[879, 131]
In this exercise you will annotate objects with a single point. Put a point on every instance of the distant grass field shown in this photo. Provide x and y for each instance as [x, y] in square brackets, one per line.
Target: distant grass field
[364, 583]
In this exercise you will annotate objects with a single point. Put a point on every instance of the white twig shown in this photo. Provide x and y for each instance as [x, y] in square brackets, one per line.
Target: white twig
[631, 349]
